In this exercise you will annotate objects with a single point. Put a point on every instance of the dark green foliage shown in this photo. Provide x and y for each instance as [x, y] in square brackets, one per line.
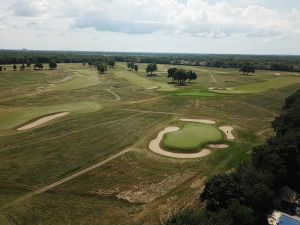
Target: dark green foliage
[14, 67]
[136, 68]
[52, 65]
[130, 65]
[180, 76]
[111, 63]
[38, 66]
[191, 75]
[171, 73]
[0, 68]
[246, 69]
[102, 67]
[151, 68]
[22, 67]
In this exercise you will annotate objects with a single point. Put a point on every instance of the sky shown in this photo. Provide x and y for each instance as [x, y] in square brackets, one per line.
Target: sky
[176, 26]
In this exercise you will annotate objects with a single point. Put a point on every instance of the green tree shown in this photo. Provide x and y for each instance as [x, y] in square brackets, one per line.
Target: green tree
[52, 65]
[191, 75]
[111, 63]
[15, 67]
[151, 68]
[22, 67]
[171, 72]
[38, 66]
[180, 76]
[130, 65]
[102, 67]
[1, 69]
[246, 69]
[28, 65]
[136, 68]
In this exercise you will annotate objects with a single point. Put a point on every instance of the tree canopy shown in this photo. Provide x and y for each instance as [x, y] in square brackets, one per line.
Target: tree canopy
[151, 68]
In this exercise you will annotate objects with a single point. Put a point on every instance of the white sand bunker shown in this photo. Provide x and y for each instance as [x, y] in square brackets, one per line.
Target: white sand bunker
[218, 146]
[277, 74]
[198, 121]
[227, 131]
[155, 147]
[42, 120]
[152, 88]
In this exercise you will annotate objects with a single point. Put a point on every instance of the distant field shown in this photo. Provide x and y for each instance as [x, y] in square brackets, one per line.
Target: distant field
[113, 112]
[273, 83]
[192, 136]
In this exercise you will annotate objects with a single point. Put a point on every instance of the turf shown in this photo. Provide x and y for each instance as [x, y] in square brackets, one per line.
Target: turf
[273, 83]
[192, 136]
[100, 126]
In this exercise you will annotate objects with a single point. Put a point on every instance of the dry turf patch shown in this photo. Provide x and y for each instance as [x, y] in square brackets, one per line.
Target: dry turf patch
[145, 193]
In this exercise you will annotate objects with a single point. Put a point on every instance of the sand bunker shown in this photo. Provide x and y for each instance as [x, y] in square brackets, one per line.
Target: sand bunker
[155, 147]
[218, 146]
[227, 131]
[198, 121]
[152, 88]
[42, 120]
[277, 74]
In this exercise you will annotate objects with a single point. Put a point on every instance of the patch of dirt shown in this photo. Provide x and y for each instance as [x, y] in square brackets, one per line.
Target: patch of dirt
[146, 193]
[277, 74]
[152, 88]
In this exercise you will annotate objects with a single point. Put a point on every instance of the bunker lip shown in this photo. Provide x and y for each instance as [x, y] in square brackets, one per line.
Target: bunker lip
[198, 121]
[42, 121]
[227, 130]
[152, 88]
[155, 147]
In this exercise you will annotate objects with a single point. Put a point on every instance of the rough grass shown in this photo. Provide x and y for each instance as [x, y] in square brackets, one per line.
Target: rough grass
[38, 157]
[192, 136]
[273, 83]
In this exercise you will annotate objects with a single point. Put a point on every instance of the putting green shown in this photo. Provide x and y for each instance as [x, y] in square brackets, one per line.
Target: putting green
[192, 136]
[274, 83]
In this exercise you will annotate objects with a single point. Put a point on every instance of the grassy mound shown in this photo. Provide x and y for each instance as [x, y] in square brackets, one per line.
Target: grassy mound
[192, 136]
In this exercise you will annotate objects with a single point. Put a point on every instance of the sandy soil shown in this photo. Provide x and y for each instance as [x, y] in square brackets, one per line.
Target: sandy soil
[277, 74]
[198, 121]
[218, 146]
[155, 147]
[152, 88]
[42, 120]
[227, 131]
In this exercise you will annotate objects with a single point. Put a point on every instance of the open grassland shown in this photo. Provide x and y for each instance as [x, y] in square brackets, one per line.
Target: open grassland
[108, 114]
[192, 136]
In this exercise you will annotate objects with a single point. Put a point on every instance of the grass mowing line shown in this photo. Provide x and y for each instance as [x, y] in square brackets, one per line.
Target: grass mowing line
[118, 98]
[257, 107]
[68, 178]
[70, 133]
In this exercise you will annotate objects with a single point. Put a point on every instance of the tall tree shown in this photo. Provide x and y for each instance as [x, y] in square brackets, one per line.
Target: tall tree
[191, 75]
[102, 67]
[111, 63]
[171, 72]
[52, 65]
[151, 68]
[180, 76]
[246, 69]
[0, 68]
[14, 67]
[136, 68]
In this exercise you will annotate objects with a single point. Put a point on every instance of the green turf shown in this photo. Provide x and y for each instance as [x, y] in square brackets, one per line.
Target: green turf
[273, 83]
[192, 136]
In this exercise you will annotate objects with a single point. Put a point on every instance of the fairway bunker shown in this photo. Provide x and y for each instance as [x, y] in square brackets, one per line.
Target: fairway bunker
[42, 121]
[152, 88]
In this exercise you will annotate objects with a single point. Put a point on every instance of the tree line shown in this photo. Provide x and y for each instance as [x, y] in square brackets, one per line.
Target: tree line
[181, 76]
[264, 62]
[247, 195]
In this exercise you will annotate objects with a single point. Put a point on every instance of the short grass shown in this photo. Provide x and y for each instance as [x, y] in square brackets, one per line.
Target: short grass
[192, 136]
[269, 84]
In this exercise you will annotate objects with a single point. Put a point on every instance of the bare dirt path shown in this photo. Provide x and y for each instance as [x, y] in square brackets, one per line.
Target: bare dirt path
[198, 121]
[42, 121]
[118, 98]
[155, 147]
